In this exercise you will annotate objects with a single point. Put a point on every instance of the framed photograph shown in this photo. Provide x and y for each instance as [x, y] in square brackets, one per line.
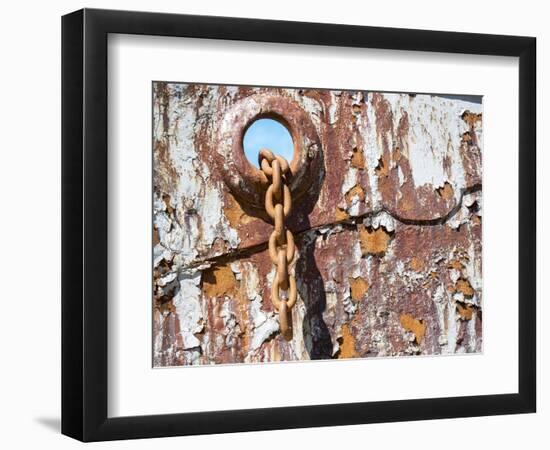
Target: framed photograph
[273, 224]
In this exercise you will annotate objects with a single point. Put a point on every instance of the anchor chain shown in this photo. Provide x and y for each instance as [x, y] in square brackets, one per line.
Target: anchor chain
[278, 204]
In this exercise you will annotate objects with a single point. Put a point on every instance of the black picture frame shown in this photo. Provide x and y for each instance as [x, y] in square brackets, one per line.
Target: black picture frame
[84, 224]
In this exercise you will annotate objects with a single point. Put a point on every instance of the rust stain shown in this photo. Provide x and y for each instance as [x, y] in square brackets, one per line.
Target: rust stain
[235, 214]
[396, 154]
[218, 281]
[358, 158]
[471, 118]
[405, 203]
[456, 264]
[165, 305]
[383, 111]
[355, 191]
[358, 288]
[416, 264]
[347, 344]
[244, 316]
[341, 214]
[446, 192]
[373, 241]
[216, 322]
[415, 326]
[464, 286]
[383, 167]
[167, 201]
[466, 311]
[467, 137]
[165, 172]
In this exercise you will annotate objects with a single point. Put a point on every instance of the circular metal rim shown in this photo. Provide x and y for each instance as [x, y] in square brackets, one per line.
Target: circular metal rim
[247, 182]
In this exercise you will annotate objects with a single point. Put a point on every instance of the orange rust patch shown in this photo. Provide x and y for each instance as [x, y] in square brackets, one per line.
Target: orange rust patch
[373, 242]
[464, 286]
[466, 311]
[476, 219]
[446, 191]
[358, 288]
[218, 281]
[383, 167]
[456, 264]
[347, 344]
[358, 158]
[355, 191]
[415, 326]
[341, 215]
[416, 264]
[235, 214]
[466, 137]
[471, 118]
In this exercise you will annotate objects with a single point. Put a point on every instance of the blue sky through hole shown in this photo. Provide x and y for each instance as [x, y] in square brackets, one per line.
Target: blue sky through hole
[267, 133]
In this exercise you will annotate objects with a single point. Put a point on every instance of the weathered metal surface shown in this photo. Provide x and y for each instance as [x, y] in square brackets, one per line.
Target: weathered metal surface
[388, 228]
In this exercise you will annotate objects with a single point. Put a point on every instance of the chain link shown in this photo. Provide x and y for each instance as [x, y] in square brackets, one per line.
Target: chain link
[278, 204]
